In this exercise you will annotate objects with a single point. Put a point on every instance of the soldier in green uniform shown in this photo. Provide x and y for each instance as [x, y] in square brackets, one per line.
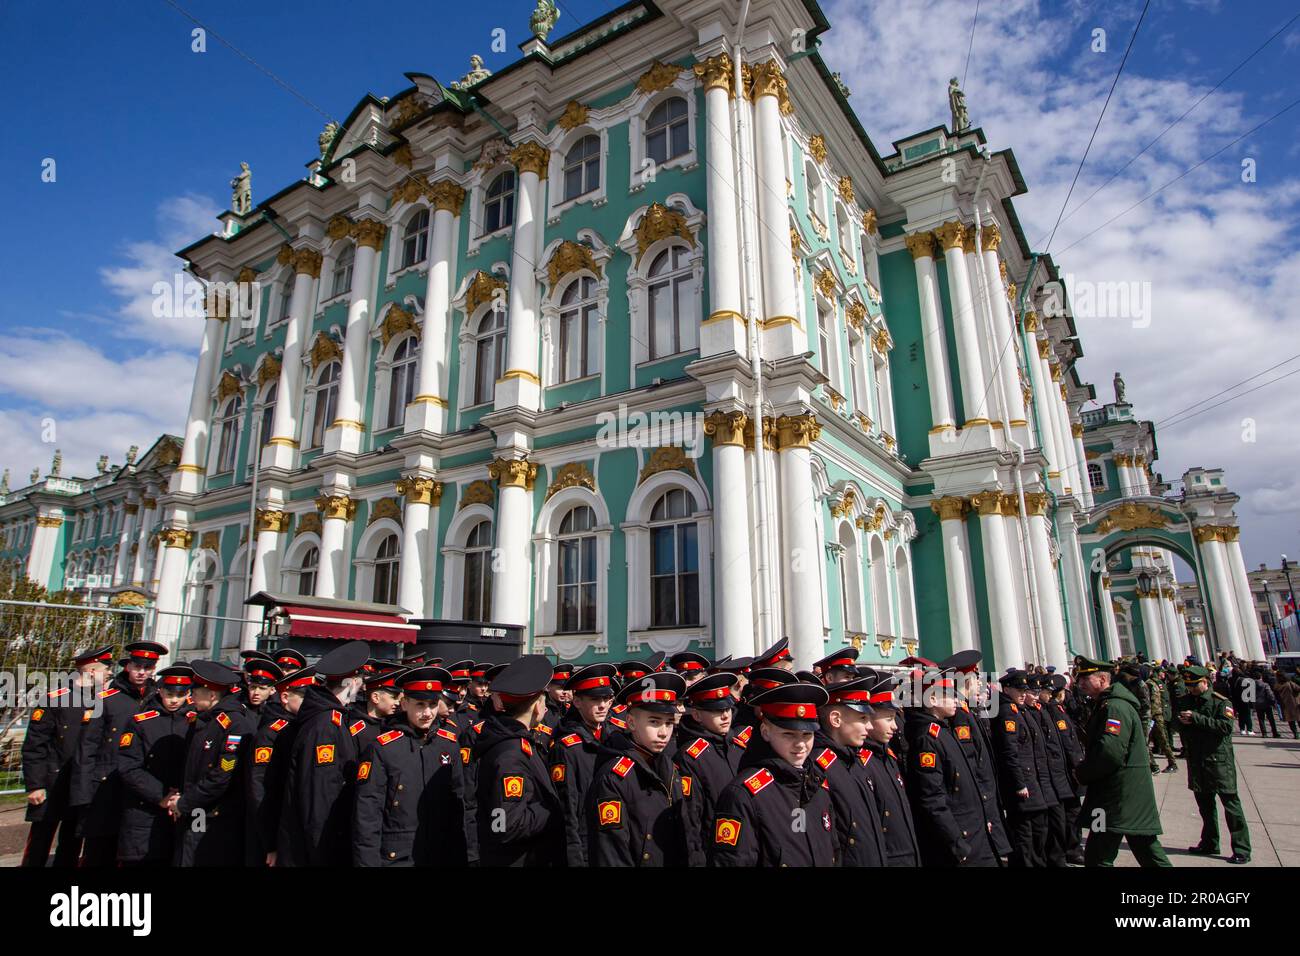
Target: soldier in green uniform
[1207, 720]
[1120, 801]
[1161, 714]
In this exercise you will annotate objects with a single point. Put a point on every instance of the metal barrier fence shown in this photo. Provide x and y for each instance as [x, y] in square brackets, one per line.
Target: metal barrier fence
[38, 641]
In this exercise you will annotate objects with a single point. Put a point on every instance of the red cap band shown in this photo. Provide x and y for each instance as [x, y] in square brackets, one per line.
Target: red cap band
[179, 680]
[717, 693]
[788, 710]
[650, 696]
[691, 666]
[591, 682]
[423, 685]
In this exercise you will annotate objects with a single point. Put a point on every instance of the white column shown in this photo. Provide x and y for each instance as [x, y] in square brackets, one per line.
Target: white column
[282, 447]
[188, 476]
[40, 557]
[344, 433]
[983, 328]
[1042, 384]
[421, 493]
[734, 600]
[1071, 475]
[148, 505]
[1003, 619]
[521, 385]
[512, 586]
[1124, 468]
[970, 366]
[1076, 585]
[1252, 640]
[1076, 432]
[1045, 581]
[1004, 326]
[268, 528]
[724, 329]
[174, 543]
[1227, 623]
[122, 573]
[1109, 629]
[428, 410]
[332, 572]
[1149, 603]
[956, 567]
[933, 339]
[782, 334]
[1184, 637]
[1174, 650]
[799, 523]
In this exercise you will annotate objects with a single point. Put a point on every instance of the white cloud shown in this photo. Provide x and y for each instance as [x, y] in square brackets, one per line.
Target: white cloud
[1216, 251]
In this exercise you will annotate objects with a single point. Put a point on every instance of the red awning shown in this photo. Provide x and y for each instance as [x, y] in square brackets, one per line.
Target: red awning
[348, 625]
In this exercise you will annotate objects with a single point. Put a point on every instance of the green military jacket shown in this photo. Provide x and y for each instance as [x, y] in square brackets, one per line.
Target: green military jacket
[1207, 741]
[1116, 769]
[1159, 702]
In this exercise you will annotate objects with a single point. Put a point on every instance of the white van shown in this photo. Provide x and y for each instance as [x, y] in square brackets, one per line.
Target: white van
[1288, 662]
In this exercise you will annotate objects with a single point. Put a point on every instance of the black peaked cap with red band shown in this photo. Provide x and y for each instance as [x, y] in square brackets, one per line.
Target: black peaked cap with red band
[387, 678]
[460, 671]
[688, 662]
[712, 692]
[343, 661]
[766, 678]
[659, 692]
[259, 655]
[176, 677]
[260, 670]
[732, 665]
[524, 678]
[214, 675]
[792, 706]
[859, 694]
[963, 662]
[290, 659]
[302, 677]
[143, 652]
[844, 657]
[594, 680]
[882, 692]
[104, 654]
[779, 651]
[561, 672]
[423, 683]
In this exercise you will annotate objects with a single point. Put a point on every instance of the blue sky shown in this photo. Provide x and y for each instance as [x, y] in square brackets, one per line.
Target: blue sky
[146, 135]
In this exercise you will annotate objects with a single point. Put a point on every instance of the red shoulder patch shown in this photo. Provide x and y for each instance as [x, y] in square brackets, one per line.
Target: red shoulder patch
[571, 741]
[864, 755]
[387, 738]
[525, 746]
[336, 718]
[933, 730]
[357, 727]
[109, 693]
[890, 751]
[1015, 709]
[446, 734]
[623, 767]
[618, 723]
[279, 725]
[544, 728]
[223, 720]
[145, 715]
[826, 758]
[741, 739]
[478, 728]
[697, 748]
[757, 781]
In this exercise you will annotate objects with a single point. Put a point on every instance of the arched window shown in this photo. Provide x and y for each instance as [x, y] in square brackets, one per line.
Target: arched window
[476, 599]
[499, 209]
[327, 403]
[286, 300]
[415, 239]
[674, 562]
[386, 571]
[666, 134]
[880, 589]
[342, 282]
[579, 337]
[577, 578]
[816, 198]
[268, 412]
[1096, 477]
[582, 167]
[850, 581]
[203, 601]
[401, 380]
[846, 229]
[228, 434]
[307, 571]
[489, 355]
[672, 303]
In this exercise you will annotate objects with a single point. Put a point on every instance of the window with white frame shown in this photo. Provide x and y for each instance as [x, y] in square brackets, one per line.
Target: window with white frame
[884, 408]
[579, 334]
[826, 342]
[326, 403]
[499, 204]
[845, 225]
[816, 195]
[582, 168]
[341, 282]
[268, 412]
[673, 323]
[476, 594]
[402, 379]
[855, 373]
[674, 561]
[228, 434]
[307, 569]
[576, 582]
[489, 355]
[415, 239]
[387, 563]
[667, 133]
[286, 299]
[203, 601]
[1096, 477]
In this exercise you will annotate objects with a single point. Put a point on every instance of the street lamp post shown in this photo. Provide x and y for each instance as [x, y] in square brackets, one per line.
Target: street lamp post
[1273, 639]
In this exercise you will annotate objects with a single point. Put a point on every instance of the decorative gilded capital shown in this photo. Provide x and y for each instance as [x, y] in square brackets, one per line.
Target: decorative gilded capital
[1229, 533]
[477, 493]
[149, 504]
[726, 428]
[531, 157]
[797, 431]
[951, 508]
[1206, 533]
[987, 503]
[483, 288]
[513, 473]
[920, 244]
[1056, 370]
[370, 233]
[1010, 505]
[132, 507]
[951, 235]
[968, 240]
[1044, 348]
[176, 538]
[1036, 503]
[716, 74]
[271, 520]
[48, 521]
[1031, 321]
[307, 262]
[336, 507]
[869, 222]
[338, 227]
[767, 80]
[990, 237]
[444, 194]
[1076, 429]
[1105, 580]
[419, 490]
[844, 507]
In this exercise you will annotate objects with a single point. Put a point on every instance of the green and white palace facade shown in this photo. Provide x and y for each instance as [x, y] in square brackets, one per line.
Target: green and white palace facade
[638, 342]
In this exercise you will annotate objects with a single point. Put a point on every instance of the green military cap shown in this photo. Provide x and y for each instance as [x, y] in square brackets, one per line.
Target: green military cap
[1087, 665]
[1196, 673]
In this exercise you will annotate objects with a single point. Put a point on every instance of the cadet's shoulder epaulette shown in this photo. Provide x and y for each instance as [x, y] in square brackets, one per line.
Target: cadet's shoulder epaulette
[451, 722]
[826, 784]
[478, 728]
[387, 738]
[933, 730]
[864, 755]
[279, 725]
[525, 746]
[1015, 709]
[623, 766]
[223, 720]
[109, 692]
[618, 708]
[621, 725]
[544, 728]
[446, 734]
[758, 780]
[190, 715]
[826, 758]
[697, 748]
[336, 718]
[741, 739]
[61, 691]
[145, 715]
[571, 741]
[890, 751]
[357, 727]
[965, 706]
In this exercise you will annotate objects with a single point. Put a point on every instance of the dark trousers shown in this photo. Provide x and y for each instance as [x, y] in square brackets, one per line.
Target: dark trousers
[1262, 712]
[1073, 842]
[1237, 829]
[1058, 837]
[1103, 846]
[1027, 831]
[100, 852]
[41, 837]
[1243, 717]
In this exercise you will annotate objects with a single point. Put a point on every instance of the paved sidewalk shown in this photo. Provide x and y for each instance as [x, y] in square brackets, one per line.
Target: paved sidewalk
[1268, 780]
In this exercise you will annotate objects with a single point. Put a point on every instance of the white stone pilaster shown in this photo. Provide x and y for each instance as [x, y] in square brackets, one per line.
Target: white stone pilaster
[344, 433]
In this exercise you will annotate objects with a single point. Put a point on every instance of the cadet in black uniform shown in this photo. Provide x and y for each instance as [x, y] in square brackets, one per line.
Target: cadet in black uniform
[690, 665]
[519, 818]
[707, 750]
[49, 753]
[209, 809]
[575, 752]
[640, 809]
[885, 774]
[96, 787]
[778, 655]
[759, 682]
[152, 765]
[368, 719]
[1053, 696]
[1058, 828]
[837, 667]
[268, 766]
[260, 672]
[952, 823]
[845, 720]
[971, 730]
[315, 827]
[1022, 780]
[409, 808]
[753, 817]
[558, 697]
